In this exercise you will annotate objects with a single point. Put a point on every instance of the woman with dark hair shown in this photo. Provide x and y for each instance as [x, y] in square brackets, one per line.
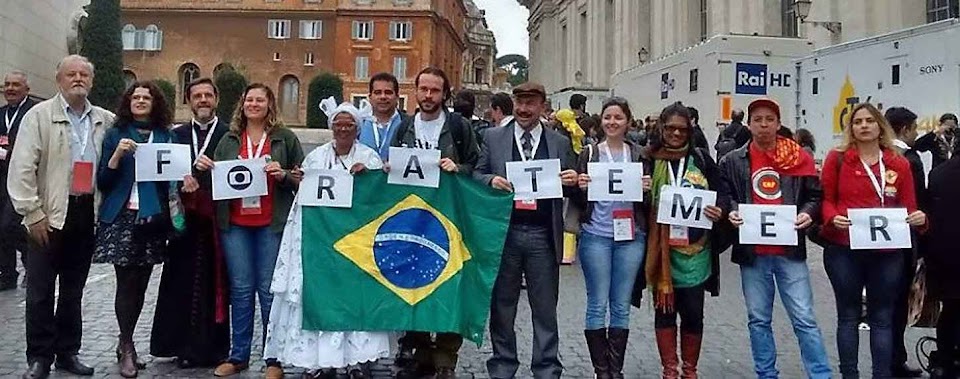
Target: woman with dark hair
[252, 227]
[865, 171]
[682, 262]
[610, 262]
[806, 140]
[135, 218]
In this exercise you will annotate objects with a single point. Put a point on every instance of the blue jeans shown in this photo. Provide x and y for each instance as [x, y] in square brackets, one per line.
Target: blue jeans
[849, 272]
[251, 254]
[760, 282]
[609, 269]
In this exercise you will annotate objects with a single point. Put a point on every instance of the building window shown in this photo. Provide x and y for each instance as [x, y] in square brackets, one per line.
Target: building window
[402, 104]
[703, 20]
[188, 73]
[694, 80]
[129, 36]
[401, 30]
[311, 29]
[479, 70]
[278, 29]
[308, 59]
[276, 57]
[290, 98]
[400, 67]
[788, 22]
[152, 38]
[129, 77]
[363, 30]
[816, 86]
[356, 99]
[895, 74]
[939, 10]
[362, 68]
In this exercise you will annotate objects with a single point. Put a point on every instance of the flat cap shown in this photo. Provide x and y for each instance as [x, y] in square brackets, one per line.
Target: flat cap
[530, 89]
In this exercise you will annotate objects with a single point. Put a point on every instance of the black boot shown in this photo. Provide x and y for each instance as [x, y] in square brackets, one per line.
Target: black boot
[597, 345]
[941, 366]
[617, 340]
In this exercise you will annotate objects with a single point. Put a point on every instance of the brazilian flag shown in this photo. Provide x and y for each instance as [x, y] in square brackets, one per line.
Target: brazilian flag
[404, 257]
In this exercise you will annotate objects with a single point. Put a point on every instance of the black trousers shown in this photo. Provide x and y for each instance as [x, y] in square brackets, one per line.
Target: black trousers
[13, 238]
[948, 329]
[132, 284]
[67, 258]
[688, 303]
[527, 253]
[901, 308]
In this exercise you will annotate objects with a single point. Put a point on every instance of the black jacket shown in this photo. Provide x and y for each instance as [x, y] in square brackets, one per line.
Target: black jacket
[591, 153]
[6, 209]
[804, 192]
[942, 260]
[183, 135]
[457, 140]
[941, 152]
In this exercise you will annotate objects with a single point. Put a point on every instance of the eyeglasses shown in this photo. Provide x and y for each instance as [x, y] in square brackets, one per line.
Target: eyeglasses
[670, 129]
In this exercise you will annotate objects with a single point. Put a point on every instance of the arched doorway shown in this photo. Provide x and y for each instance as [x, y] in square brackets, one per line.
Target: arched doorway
[290, 98]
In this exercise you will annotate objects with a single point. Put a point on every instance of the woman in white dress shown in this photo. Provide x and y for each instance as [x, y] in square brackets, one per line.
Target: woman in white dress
[286, 339]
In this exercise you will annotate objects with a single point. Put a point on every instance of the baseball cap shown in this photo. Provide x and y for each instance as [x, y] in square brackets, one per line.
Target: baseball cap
[763, 102]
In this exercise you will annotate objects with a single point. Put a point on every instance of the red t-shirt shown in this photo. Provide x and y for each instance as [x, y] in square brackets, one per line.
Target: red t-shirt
[250, 217]
[765, 181]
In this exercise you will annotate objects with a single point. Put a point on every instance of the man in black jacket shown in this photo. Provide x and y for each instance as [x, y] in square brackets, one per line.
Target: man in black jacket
[942, 141]
[432, 127]
[904, 123]
[698, 139]
[12, 235]
[773, 170]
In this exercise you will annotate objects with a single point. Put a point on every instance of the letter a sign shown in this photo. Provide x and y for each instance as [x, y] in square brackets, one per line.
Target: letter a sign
[879, 228]
[326, 188]
[684, 206]
[414, 167]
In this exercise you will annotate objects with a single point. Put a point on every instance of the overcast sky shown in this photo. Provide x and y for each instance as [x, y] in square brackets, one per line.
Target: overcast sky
[508, 21]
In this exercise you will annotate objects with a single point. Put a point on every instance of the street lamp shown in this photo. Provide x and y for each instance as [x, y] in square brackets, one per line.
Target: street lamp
[802, 10]
[643, 54]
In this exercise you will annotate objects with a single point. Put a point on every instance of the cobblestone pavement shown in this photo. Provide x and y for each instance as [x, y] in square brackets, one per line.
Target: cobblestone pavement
[726, 350]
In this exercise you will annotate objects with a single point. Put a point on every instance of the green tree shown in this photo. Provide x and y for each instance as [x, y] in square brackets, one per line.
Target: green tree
[102, 45]
[517, 65]
[169, 94]
[321, 87]
[231, 84]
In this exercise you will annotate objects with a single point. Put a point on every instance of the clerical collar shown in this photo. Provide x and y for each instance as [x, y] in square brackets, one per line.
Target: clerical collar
[205, 126]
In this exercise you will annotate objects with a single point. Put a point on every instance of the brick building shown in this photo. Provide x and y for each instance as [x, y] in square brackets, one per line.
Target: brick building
[286, 43]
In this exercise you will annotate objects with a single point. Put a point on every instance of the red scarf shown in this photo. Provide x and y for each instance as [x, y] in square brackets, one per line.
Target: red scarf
[789, 159]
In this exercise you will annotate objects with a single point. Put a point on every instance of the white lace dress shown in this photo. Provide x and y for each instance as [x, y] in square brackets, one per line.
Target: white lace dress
[286, 339]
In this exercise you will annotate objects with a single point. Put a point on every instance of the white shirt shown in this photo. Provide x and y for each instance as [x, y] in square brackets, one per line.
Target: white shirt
[506, 121]
[428, 132]
[536, 133]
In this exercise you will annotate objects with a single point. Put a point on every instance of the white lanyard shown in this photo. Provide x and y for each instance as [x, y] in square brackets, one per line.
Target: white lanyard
[676, 179]
[150, 138]
[8, 120]
[87, 130]
[536, 145]
[206, 140]
[263, 139]
[873, 178]
[606, 151]
[336, 158]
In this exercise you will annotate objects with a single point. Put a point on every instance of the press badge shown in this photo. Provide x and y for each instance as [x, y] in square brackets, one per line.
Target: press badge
[3, 154]
[250, 205]
[134, 202]
[525, 205]
[82, 183]
[623, 225]
[679, 235]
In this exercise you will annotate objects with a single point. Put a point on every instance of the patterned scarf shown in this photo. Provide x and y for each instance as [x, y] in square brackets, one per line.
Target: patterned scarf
[789, 159]
[658, 270]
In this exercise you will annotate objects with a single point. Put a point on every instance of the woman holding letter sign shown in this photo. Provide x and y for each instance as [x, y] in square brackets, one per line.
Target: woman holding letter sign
[865, 172]
[681, 262]
[286, 340]
[135, 218]
[252, 227]
[612, 242]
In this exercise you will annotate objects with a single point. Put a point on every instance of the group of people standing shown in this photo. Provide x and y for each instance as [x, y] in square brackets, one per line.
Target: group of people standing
[70, 173]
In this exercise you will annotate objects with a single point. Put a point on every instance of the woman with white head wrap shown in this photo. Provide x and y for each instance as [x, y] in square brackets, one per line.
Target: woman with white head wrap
[286, 339]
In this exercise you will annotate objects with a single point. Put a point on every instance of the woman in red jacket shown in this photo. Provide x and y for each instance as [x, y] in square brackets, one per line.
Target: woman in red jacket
[865, 172]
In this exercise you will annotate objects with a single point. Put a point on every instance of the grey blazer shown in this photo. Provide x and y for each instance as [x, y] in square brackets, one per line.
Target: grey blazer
[497, 149]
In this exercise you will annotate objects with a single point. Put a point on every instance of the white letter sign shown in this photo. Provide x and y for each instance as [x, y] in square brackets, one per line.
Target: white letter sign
[535, 179]
[879, 228]
[414, 167]
[615, 181]
[769, 225]
[162, 162]
[684, 206]
[326, 188]
[239, 178]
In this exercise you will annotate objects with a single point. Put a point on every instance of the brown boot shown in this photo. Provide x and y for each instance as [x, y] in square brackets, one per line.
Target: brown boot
[617, 342]
[128, 358]
[690, 352]
[597, 345]
[667, 345]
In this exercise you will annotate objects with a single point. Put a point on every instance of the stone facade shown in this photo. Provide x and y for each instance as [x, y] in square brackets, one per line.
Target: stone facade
[581, 43]
[286, 43]
[36, 50]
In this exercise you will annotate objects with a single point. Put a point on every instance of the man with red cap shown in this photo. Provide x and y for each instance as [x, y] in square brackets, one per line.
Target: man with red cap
[774, 170]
